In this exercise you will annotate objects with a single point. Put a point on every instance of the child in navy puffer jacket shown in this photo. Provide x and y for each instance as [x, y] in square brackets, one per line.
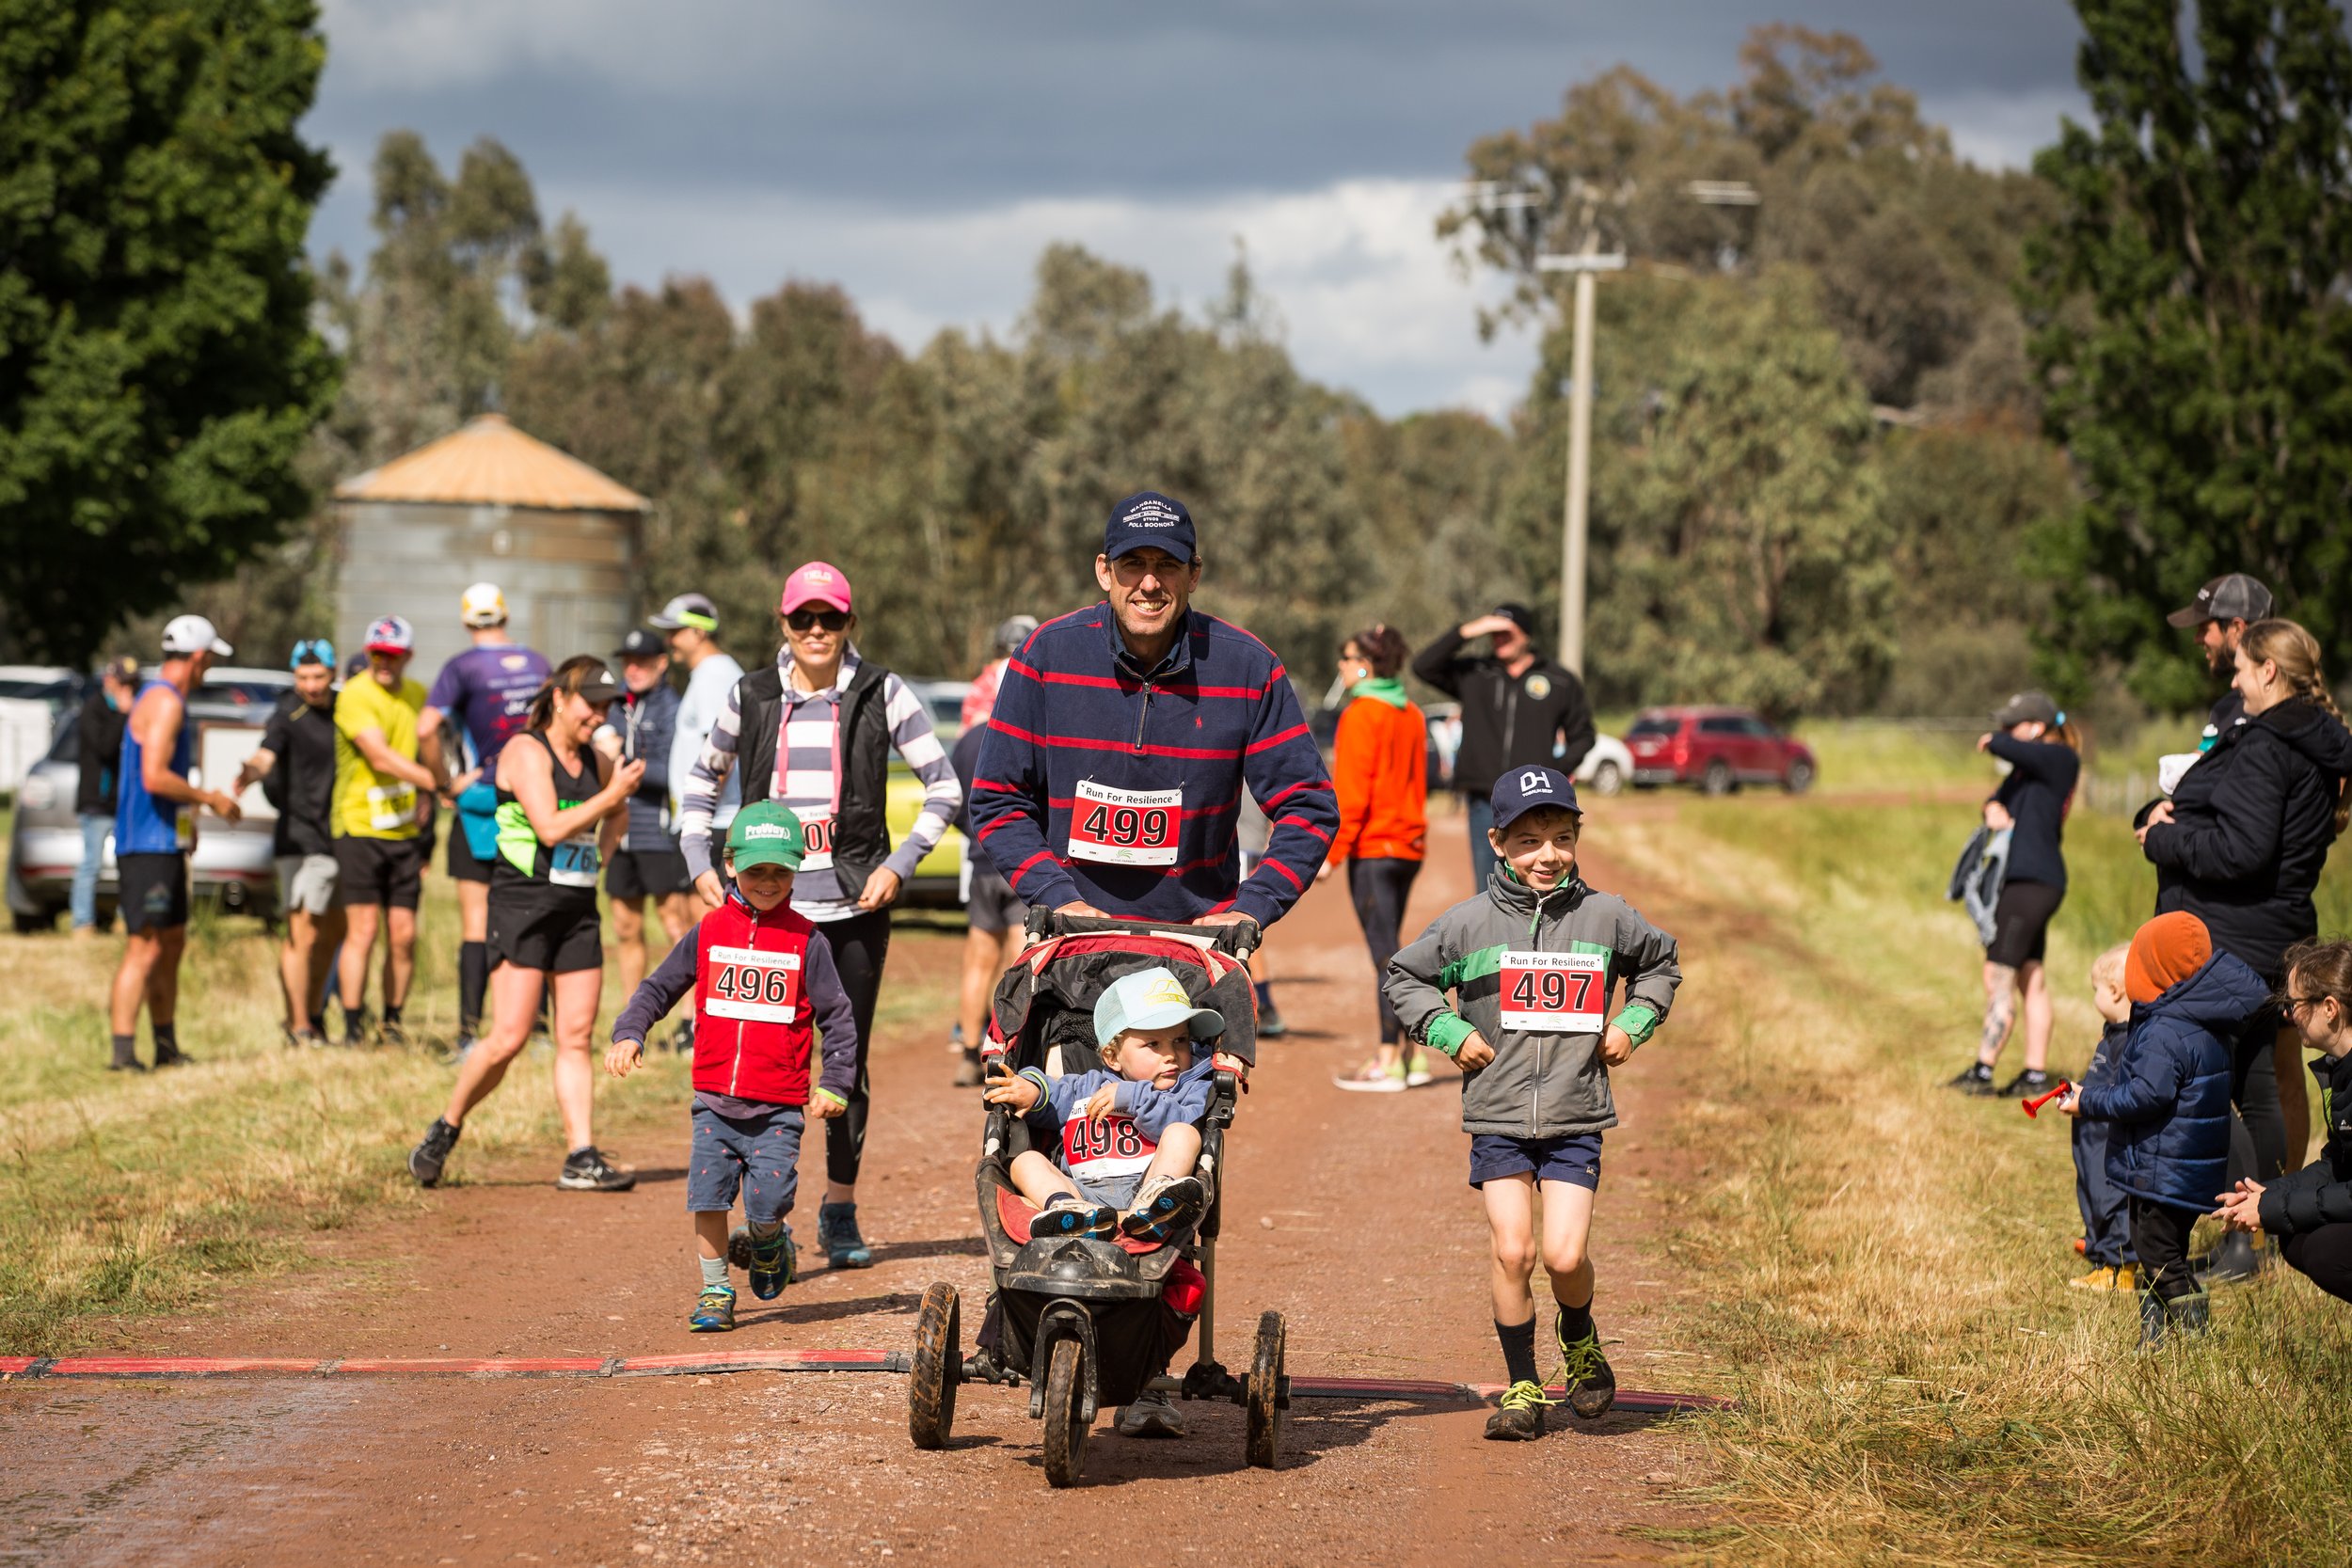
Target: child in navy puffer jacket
[2168, 1098]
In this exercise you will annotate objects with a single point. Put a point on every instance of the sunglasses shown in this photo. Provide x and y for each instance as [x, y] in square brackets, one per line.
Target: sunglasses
[806, 619]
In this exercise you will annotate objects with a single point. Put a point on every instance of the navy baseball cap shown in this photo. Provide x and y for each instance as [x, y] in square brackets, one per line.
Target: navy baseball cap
[640, 643]
[1520, 790]
[1149, 521]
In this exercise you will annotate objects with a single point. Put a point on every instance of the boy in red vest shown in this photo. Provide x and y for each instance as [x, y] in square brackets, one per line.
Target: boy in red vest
[761, 977]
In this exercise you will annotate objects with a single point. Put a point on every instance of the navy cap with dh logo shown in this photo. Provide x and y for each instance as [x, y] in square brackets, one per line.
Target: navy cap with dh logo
[1149, 521]
[1521, 790]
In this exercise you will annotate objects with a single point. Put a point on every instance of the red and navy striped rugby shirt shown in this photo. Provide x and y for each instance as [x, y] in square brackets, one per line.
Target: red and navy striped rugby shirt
[1219, 711]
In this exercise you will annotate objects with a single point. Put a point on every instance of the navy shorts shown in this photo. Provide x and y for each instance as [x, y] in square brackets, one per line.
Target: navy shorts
[761, 1155]
[1575, 1159]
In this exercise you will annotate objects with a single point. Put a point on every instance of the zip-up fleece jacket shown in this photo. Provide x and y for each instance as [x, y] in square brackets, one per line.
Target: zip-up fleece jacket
[760, 982]
[2320, 1193]
[1380, 769]
[1075, 710]
[1540, 1084]
[2170, 1092]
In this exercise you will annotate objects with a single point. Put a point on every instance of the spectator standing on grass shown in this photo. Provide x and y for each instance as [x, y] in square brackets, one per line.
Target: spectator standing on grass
[487, 690]
[1519, 711]
[813, 731]
[97, 743]
[295, 765]
[691, 621]
[2044, 757]
[994, 913]
[2311, 1212]
[2220, 614]
[382, 793]
[2240, 845]
[648, 866]
[154, 835]
[1381, 771]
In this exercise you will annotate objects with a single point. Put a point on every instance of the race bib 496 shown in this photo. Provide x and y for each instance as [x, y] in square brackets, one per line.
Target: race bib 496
[1554, 993]
[748, 984]
[1125, 827]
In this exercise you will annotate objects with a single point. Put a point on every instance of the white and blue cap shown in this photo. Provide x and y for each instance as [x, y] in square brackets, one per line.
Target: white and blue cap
[1151, 999]
[1520, 790]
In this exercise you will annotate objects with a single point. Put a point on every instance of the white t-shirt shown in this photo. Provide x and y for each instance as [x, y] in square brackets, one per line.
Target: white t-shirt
[705, 698]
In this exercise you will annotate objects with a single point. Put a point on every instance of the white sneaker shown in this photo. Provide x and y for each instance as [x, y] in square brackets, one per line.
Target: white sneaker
[1372, 1078]
[1417, 1073]
[1152, 1415]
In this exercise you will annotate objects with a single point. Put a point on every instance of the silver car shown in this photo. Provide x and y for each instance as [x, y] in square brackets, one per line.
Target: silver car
[232, 863]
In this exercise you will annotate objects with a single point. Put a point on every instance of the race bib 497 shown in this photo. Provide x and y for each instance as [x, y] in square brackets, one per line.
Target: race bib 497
[1554, 993]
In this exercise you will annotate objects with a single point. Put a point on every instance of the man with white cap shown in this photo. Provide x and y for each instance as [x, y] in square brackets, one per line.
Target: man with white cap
[154, 830]
[383, 795]
[487, 690]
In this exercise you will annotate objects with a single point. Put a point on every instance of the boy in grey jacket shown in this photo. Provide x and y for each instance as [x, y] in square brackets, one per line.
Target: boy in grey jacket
[1532, 963]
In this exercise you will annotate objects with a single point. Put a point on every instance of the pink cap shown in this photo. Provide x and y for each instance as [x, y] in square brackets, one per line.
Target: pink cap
[818, 582]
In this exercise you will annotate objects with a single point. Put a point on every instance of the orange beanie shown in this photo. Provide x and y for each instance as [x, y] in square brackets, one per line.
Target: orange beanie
[2164, 952]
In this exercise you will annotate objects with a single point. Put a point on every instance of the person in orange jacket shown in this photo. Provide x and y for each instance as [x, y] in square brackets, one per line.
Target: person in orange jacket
[1379, 768]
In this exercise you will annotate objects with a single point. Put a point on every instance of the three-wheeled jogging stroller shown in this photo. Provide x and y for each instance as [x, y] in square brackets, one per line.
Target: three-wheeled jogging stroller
[1082, 1319]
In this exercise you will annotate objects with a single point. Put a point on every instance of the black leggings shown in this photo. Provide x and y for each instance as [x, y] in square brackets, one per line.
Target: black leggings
[860, 944]
[1380, 888]
[2324, 1254]
[2258, 1135]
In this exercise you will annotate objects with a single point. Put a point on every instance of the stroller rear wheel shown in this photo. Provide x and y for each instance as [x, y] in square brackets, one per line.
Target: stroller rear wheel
[1267, 1395]
[938, 1367]
[1065, 1414]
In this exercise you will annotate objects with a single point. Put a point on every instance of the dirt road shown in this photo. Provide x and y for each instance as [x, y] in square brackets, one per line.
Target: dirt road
[1375, 1250]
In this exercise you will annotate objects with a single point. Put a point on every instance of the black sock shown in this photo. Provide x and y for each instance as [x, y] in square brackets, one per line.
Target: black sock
[167, 1040]
[1519, 1350]
[1575, 1322]
[126, 1050]
[473, 983]
[355, 1023]
[391, 1014]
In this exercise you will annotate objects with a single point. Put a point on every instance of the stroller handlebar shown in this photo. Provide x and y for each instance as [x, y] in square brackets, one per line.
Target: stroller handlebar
[1238, 938]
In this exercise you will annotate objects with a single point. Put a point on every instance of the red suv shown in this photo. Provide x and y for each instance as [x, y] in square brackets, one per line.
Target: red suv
[1718, 749]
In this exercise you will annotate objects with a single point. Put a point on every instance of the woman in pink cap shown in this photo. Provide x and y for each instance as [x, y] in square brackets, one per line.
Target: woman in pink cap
[815, 731]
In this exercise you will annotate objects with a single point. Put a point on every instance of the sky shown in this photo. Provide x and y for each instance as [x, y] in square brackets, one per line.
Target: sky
[921, 153]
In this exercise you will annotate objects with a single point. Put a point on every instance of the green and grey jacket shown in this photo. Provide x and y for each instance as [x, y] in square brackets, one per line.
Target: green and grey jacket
[1542, 1084]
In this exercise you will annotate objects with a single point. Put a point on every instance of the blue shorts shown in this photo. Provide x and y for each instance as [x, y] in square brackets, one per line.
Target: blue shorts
[762, 1155]
[1574, 1159]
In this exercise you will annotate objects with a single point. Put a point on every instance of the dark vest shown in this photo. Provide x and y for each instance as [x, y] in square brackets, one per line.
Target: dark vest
[862, 828]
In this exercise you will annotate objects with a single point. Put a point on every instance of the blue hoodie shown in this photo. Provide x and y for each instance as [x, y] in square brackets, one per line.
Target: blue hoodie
[2168, 1093]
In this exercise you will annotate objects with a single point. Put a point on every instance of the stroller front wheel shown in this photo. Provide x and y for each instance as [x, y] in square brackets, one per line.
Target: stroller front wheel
[1065, 1414]
[938, 1367]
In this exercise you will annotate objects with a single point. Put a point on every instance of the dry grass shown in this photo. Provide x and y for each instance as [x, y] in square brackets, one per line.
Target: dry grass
[1888, 1262]
[120, 1197]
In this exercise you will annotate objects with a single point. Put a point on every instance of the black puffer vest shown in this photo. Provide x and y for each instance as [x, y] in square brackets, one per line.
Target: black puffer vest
[862, 826]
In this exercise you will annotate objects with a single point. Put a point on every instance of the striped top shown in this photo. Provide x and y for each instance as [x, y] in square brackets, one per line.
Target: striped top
[808, 778]
[1089, 758]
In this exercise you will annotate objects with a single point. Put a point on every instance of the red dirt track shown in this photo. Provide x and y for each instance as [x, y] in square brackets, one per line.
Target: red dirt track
[1349, 1213]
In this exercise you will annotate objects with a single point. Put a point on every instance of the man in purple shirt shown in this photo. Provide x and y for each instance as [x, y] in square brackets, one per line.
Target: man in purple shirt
[487, 690]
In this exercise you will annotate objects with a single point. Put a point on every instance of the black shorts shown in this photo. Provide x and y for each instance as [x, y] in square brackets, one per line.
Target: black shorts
[2020, 922]
[646, 873]
[385, 873]
[535, 929]
[460, 861]
[152, 891]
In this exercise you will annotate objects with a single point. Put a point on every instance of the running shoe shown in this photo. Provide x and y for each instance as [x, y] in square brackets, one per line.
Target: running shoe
[1585, 1374]
[173, 1058]
[714, 1310]
[129, 1064]
[308, 1040]
[459, 1048]
[1270, 1024]
[586, 1170]
[682, 1038]
[837, 1237]
[426, 1159]
[772, 1263]
[2026, 1085]
[1068, 1215]
[395, 1033]
[1417, 1073]
[1372, 1078]
[1978, 1080]
[968, 1071]
[1152, 1414]
[1165, 1209]
[2103, 1277]
[1520, 1416]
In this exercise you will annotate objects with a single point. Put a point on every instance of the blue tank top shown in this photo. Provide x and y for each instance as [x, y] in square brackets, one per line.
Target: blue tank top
[143, 825]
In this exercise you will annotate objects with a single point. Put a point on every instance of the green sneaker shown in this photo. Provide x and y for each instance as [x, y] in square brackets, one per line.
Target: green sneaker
[773, 1264]
[1520, 1419]
[714, 1310]
[1584, 1372]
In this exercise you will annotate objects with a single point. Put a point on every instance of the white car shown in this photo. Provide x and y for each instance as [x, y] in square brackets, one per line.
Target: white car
[1607, 767]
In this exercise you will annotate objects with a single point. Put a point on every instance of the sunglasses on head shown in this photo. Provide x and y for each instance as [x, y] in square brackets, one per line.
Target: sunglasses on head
[832, 620]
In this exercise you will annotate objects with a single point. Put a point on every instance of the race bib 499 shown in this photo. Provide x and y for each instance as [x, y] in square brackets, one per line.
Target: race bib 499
[1125, 827]
[1554, 993]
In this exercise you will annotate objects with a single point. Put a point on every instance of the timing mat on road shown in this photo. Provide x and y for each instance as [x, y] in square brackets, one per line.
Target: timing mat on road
[707, 1363]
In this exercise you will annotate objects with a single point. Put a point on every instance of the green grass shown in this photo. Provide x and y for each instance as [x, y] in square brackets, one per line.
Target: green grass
[1887, 1261]
[125, 1196]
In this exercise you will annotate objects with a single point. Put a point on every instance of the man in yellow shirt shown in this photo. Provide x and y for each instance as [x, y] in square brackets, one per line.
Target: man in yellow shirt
[382, 792]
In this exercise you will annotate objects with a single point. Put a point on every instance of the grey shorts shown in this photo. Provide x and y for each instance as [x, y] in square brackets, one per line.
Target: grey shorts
[989, 901]
[307, 883]
[761, 1155]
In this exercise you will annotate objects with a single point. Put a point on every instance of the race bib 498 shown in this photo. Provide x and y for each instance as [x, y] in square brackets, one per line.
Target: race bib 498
[1554, 993]
[748, 984]
[1125, 827]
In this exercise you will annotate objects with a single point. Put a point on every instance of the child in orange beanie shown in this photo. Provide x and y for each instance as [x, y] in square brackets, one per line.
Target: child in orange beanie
[2169, 1096]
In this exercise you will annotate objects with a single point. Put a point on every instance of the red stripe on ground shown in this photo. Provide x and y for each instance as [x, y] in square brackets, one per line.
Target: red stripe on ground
[780, 1360]
[11, 1365]
[175, 1366]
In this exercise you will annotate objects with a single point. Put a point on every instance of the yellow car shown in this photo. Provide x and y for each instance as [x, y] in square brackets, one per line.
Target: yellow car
[939, 877]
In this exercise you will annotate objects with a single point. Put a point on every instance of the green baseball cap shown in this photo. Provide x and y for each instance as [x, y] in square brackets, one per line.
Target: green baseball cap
[766, 833]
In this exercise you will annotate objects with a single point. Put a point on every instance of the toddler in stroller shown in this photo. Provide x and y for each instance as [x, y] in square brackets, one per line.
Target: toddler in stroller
[1098, 1186]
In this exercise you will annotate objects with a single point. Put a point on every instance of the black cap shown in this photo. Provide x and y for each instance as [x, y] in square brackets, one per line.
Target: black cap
[1521, 790]
[1149, 521]
[1519, 615]
[2026, 707]
[640, 643]
[2232, 596]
